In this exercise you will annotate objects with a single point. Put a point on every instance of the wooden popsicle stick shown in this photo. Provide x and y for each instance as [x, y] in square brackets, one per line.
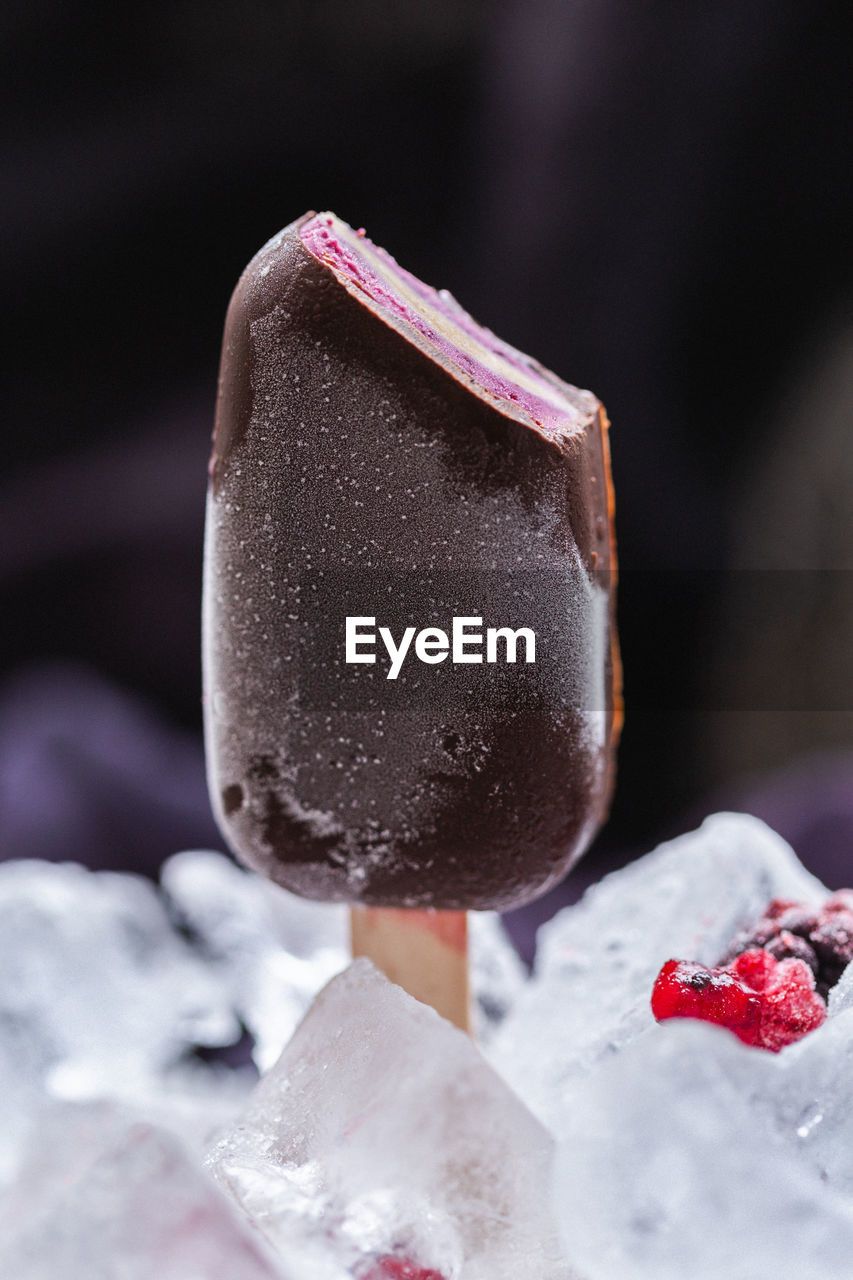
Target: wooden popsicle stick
[424, 952]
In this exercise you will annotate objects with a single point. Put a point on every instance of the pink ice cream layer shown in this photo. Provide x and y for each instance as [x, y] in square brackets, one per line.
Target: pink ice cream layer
[494, 369]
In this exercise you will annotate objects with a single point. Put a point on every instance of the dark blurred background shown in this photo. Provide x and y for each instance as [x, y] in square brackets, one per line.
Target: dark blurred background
[654, 199]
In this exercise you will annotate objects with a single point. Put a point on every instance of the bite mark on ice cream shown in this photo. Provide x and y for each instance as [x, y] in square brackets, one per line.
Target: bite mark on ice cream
[496, 370]
[377, 454]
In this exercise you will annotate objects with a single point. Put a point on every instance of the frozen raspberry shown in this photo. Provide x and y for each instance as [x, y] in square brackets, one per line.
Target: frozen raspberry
[390, 1266]
[791, 1006]
[774, 982]
[687, 990]
[764, 1001]
[756, 968]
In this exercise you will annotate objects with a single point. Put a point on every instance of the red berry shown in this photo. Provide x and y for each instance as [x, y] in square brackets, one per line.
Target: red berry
[765, 1002]
[842, 900]
[755, 967]
[390, 1266]
[778, 906]
[790, 1005]
[777, 976]
[687, 990]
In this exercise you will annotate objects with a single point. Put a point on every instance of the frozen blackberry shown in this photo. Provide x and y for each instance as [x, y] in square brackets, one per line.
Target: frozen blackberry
[790, 946]
[821, 937]
[833, 944]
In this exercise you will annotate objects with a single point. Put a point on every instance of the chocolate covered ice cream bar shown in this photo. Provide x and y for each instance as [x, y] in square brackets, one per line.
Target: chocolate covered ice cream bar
[411, 673]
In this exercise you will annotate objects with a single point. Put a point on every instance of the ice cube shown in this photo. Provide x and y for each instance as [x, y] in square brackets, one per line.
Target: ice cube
[806, 1097]
[98, 989]
[228, 908]
[382, 1130]
[498, 974]
[22, 1066]
[276, 950]
[669, 1167]
[841, 995]
[103, 1193]
[597, 961]
[272, 950]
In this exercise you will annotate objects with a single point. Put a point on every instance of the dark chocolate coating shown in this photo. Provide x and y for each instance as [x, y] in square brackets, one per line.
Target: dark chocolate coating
[354, 475]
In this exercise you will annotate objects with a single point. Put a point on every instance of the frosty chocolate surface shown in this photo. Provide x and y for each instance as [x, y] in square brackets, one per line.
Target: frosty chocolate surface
[391, 481]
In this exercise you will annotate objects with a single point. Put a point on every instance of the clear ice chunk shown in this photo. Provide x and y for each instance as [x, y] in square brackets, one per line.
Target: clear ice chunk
[271, 950]
[498, 974]
[841, 995]
[103, 1194]
[806, 1098]
[99, 995]
[383, 1131]
[671, 1166]
[108, 987]
[275, 950]
[596, 961]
